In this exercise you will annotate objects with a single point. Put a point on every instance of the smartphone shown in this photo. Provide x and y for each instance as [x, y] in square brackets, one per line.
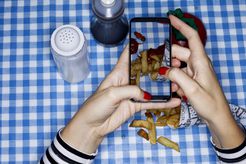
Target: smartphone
[149, 50]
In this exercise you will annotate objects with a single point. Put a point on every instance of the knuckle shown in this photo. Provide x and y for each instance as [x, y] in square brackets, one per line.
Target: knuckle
[111, 93]
[174, 47]
[138, 91]
[173, 72]
[193, 34]
[137, 107]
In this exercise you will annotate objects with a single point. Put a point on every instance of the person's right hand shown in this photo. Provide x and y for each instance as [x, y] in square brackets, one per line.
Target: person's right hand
[197, 81]
[199, 84]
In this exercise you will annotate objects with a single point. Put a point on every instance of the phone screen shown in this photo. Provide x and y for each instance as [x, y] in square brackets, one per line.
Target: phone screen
[150, 49]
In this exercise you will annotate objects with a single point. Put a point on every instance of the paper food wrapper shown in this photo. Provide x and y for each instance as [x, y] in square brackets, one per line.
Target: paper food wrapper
[189, 117]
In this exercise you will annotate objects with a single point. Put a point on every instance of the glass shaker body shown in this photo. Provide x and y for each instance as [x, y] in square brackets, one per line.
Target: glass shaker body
[69, 50]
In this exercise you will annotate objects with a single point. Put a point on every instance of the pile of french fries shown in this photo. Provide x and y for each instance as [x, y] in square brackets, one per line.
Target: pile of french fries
[144, 65]
[164, 117]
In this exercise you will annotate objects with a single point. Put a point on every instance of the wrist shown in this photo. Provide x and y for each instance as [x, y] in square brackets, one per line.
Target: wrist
[223, 128]
[82, 137]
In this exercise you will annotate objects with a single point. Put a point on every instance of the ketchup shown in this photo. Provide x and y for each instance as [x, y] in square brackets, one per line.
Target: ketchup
[133, 46]
[155, 51]
[139, 36]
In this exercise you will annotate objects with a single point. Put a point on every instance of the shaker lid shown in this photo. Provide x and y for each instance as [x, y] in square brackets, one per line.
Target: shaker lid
[67, 40]
[108, 9]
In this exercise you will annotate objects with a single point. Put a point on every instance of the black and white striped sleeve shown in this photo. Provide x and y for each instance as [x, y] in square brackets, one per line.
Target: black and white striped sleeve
[236, 155]
[61, 152]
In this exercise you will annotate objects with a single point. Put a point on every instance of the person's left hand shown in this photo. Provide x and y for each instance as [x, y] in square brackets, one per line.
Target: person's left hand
[108, 108]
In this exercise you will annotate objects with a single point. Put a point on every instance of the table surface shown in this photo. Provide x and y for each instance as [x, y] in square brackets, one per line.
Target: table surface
[36, 102]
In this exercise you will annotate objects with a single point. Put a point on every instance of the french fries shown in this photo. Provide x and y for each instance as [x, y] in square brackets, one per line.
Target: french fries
[157, 113]
[138, 78]
[173, 121]
[162, 121]
[166, 142]
[152, 129]
[157, 66]
[167, 111]
[155, 57]
[154, 75]
[140, 124]
[142, 133]
[145, 64]
[175, 111]
[133, 81]
[164, 117]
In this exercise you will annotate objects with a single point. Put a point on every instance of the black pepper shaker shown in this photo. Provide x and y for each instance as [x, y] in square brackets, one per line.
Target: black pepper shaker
[109, 25]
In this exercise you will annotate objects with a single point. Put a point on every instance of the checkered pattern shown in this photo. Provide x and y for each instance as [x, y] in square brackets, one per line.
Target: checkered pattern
[36, 102]
[156, 34]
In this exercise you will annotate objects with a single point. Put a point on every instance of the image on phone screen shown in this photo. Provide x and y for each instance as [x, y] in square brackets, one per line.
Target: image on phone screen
[149, 51]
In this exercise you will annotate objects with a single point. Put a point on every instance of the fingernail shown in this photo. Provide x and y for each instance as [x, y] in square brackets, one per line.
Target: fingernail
[147, 96]
[185, 99]
[163, 70]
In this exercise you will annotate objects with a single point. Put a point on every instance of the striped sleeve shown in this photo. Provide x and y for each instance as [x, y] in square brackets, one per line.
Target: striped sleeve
[61, 152]
[236, 155]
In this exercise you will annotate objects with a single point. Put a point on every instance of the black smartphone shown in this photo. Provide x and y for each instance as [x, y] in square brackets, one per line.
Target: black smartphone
[149, 50]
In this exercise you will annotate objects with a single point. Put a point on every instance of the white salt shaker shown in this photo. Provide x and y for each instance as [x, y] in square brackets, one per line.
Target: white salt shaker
[69, 50]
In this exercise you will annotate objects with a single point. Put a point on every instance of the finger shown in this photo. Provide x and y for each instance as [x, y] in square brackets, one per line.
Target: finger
[180, 53]
[180, 92]
[126, 110]
[117, 94]
[124, 58]
[188, 85]
[176, 63]
[175, 87]
[192, 36]
[184, 70]
[174, 102]
[121, 66]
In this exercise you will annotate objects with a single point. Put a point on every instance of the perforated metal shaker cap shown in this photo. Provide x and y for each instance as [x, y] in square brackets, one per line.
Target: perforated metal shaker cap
[67, 40]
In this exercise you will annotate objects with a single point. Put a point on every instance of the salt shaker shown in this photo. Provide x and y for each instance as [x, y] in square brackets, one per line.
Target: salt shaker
[109, 25]
[69, 50]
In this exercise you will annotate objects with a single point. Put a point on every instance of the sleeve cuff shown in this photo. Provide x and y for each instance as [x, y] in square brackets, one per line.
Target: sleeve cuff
[61, 152]
[234, 155]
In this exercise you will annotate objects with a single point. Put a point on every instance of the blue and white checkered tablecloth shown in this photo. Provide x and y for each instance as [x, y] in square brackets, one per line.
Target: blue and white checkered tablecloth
[36, 102]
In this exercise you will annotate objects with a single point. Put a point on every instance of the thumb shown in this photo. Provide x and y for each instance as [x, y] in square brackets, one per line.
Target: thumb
[117, 94]
[187, 84]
